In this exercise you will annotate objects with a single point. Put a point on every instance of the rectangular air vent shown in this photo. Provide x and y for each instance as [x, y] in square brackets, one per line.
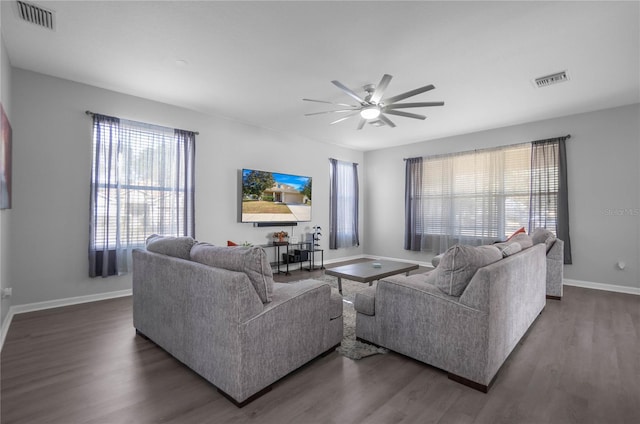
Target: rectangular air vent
[551, 79]
[36, 15]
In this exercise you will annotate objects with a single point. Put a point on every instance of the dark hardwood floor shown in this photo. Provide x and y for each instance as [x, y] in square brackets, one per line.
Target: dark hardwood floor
[579, 363]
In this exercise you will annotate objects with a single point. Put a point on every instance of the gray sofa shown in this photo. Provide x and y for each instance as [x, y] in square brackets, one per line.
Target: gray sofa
[555, 261]
[218, 311]
[465, 317]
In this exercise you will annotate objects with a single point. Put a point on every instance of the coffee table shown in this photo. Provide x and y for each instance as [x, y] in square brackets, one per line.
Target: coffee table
[365, 272]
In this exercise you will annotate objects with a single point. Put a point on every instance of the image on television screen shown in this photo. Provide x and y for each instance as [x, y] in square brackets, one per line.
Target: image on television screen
[275, 197]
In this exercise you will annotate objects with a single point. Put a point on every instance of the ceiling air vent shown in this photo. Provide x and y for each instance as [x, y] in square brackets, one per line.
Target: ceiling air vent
[551, 79]
[35, 15]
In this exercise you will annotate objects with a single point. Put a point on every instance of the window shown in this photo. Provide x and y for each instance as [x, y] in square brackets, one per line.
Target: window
[477, 197]
[343, 204]
[141, 184]
[483, 196]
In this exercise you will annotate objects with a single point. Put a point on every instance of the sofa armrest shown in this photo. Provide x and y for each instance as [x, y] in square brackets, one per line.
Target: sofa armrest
[556, 251]
[297, 299]
[289, 332]
[555, 270]
[289, 292]
[365, 301]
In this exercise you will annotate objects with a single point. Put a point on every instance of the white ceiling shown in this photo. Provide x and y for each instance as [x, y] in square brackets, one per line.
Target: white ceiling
[255, 61]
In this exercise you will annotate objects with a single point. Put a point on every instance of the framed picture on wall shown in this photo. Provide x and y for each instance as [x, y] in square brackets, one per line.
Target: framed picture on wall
[5, 162]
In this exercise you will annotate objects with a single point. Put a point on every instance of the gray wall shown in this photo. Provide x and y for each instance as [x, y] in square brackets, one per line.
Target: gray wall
[48, 234]
[52, 157]
[603, 161]
[5, 214]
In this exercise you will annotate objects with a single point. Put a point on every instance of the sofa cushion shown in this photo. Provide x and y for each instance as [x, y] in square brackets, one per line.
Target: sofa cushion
[542, 235]
[179, 247]
[508, 248]
[435, 261]
[460, 263]
[523, 239]
[252, 261]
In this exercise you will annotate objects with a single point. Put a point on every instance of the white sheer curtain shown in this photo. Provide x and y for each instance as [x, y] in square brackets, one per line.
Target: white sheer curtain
[343, 204]
[474, 197]
[141, 184]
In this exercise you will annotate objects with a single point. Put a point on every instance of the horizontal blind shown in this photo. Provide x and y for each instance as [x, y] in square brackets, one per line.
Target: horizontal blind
[147, 196]
[544, 186]
[481, 195]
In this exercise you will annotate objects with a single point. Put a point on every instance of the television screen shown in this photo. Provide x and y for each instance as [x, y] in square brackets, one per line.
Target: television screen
[274, 197]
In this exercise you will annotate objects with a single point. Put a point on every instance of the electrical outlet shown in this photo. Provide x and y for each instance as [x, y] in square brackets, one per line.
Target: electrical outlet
[6, 292]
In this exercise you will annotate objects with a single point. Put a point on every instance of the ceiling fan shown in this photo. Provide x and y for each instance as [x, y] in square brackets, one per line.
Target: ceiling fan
[373, 107]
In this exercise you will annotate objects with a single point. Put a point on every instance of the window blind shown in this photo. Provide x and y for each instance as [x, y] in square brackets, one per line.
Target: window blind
[142, 184]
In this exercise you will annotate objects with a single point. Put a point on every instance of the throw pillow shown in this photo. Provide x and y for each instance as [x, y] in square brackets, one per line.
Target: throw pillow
[436, 260]
[542, 235]
[458, 265]
[179, 247]
[508, 249]
[523, 239]
[252, 261]
[521, 230]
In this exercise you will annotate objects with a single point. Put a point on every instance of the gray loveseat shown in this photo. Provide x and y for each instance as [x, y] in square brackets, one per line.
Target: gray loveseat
[465, 317]
[218, 311]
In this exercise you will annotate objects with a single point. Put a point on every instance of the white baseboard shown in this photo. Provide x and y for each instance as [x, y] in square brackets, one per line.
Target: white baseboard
[601, 286]
[57, 303]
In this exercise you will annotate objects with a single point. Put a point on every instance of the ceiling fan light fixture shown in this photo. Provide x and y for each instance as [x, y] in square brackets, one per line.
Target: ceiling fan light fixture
[374, 106]
[370, 112]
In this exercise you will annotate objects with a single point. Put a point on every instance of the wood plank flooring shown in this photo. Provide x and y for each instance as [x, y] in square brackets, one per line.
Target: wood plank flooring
[579, 363]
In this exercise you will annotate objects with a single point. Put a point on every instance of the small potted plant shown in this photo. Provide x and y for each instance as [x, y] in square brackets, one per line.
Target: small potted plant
[280, 236]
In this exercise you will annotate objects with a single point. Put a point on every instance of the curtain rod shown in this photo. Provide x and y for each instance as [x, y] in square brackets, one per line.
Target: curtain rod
[355, 163]
[88, 112]
[567, 137]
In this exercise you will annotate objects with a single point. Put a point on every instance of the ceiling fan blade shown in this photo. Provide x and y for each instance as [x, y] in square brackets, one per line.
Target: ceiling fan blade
[329, 103]
[408, 94]
[331, 111]
[406, 105]
[380, 88]
[405, 114]
[346, 117]
[361, 123]
[348, 91]
[386, 120]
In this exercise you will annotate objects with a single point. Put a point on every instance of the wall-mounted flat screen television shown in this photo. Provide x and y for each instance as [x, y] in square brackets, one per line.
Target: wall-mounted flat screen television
[272, 197]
